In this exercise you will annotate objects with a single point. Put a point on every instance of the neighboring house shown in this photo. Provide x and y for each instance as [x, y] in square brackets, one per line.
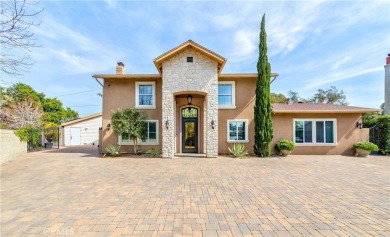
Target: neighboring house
[82, 131]
[193, 108]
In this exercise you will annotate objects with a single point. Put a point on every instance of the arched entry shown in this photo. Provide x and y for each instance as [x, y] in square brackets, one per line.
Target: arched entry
[189, 116]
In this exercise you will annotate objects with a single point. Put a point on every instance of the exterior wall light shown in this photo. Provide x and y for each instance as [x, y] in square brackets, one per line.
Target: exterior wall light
[167, 124]
[189, 99]
[108, 126]
[212, 124]
[359, 125]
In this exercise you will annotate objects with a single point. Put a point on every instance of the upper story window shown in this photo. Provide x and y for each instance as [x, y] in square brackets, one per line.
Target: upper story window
[190, 59]
[237, 130]
[226, 95]
[145, 96]
[315, 132]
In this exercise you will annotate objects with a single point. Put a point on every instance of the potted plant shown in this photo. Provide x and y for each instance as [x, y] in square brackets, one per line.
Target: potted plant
[363, 148]
[51, 134]
[285, 147]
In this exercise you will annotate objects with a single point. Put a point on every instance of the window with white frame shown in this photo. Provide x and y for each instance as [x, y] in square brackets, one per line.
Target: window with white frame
[226, 94]
[151, 137]
[237, 130]
[145, 95]
[315, 131]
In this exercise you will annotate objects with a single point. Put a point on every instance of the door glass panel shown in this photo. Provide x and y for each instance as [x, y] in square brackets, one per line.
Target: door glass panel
[189, 135]
[189, 113]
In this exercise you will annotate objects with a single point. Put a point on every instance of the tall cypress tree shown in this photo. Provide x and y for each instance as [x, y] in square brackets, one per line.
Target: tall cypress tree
[263, 109]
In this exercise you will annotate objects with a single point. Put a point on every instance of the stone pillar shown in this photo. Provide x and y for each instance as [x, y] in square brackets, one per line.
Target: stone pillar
[168, 134]
[387, 85]
[211, 114]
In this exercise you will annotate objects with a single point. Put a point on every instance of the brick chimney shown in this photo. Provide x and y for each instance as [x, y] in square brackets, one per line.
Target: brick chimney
[387, 85]
[120, 69]
[388, 59]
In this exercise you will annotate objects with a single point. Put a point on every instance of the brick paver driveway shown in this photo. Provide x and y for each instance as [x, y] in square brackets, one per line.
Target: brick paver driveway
[75, 193]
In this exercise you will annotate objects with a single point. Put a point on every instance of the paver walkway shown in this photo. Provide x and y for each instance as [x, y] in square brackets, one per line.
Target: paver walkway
[77, 194]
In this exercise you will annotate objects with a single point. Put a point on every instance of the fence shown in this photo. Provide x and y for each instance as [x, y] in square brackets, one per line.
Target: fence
[375, 135]
[46, 138]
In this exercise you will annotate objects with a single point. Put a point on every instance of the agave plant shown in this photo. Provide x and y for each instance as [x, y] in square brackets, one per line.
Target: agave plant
[112, 150]
[238, 150]
[155, 152]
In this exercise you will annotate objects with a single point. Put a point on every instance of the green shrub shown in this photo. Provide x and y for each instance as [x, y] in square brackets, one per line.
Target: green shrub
[383, 123]
[285, 145]
[51, 132]
[155, 152]
[366, 146]
[30, 135]
[238, 150]
[112, 150]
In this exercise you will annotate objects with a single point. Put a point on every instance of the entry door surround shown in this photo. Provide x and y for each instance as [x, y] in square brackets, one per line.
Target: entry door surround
[199, 77]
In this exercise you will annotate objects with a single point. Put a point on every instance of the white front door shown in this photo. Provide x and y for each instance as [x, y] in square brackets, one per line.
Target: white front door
[74, 136]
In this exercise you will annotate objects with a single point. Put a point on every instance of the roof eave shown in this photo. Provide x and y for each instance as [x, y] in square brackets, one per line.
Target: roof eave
[325, 111]
[188, 44]
[126, 76]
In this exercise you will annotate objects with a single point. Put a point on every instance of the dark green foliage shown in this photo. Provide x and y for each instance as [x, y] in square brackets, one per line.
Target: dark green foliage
[30, 135]
[263, 109]
[285, 145]
[369, 120]
[331, 95]
[130, 121]
[383, 123]
[279, 98]
[53, 109]
[366, 146]
[21, 92]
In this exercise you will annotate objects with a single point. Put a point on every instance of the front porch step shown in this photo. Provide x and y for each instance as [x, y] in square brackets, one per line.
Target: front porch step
[190, 155]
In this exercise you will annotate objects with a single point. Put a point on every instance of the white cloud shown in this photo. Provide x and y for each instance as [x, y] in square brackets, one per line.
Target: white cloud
[71, 51]
[245, 45]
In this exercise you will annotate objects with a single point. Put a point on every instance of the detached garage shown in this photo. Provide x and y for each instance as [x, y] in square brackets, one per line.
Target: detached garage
[82, 131]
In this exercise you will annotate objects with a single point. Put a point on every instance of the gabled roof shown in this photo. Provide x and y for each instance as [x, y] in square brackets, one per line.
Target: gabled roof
[319, 108]
[81, 119]
[186, 45]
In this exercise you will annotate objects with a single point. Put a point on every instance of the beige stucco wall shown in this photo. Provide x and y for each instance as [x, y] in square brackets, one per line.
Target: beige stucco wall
[198, 77]
[245, 102]
[347, 133]
[10, 146]
[120, 93]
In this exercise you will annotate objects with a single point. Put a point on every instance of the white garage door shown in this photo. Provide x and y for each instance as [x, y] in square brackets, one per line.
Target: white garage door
[74, 136]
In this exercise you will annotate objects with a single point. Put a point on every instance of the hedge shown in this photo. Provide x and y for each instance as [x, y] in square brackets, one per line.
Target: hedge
[383, 123]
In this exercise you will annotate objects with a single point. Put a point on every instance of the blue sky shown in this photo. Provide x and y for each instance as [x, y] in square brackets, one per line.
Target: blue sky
[311, 44]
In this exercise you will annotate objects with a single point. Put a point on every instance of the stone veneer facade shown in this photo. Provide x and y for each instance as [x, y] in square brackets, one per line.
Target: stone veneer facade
[200, 76]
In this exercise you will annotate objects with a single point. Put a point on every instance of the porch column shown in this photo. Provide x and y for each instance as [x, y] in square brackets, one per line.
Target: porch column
[211, 114]
[168, 132]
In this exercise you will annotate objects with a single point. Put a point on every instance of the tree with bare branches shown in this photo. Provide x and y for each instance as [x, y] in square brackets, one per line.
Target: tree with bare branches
[18, 17]
[22, 114]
